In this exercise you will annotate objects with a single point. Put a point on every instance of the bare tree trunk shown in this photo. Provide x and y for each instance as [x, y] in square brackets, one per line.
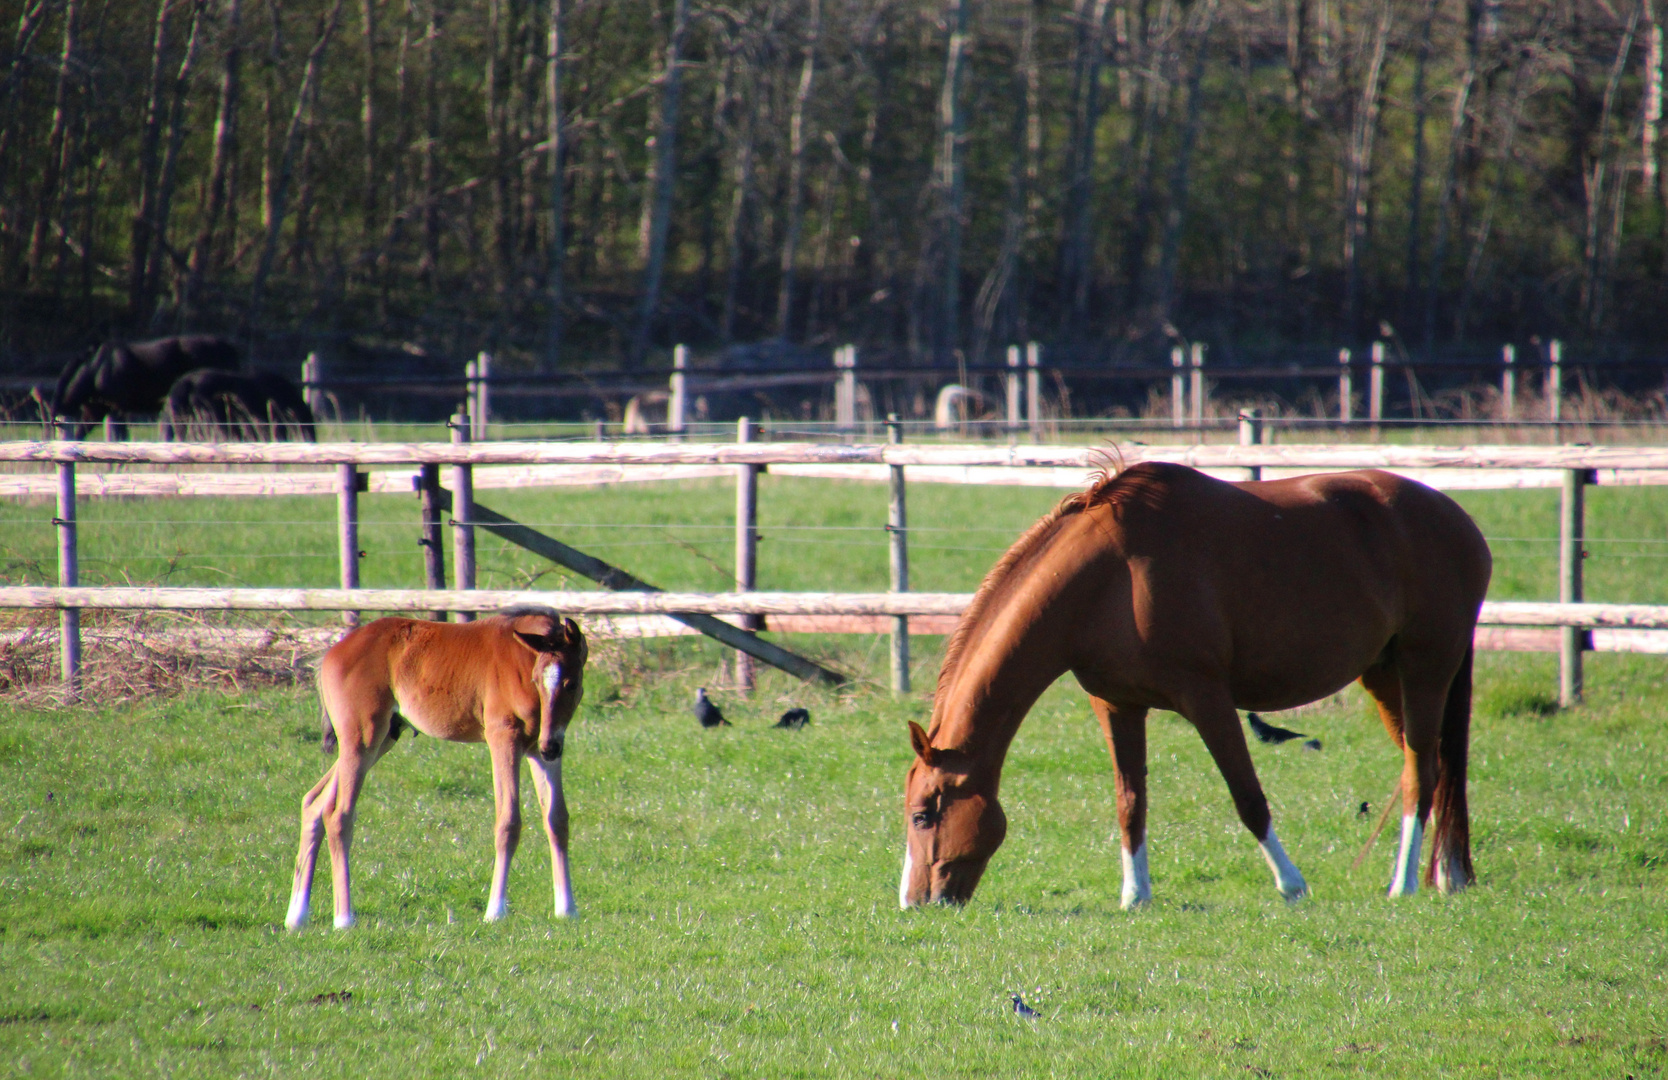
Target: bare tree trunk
[665, 167]
[1151, 92]
[1416, 183]
[1175, 215]
[1458, 125]
[1077, 236]
[285, 168]
[368, 123]
[1592, 286]
[163, 206]
[796, 171]
[1359, 165]
[1000, 281]
[950, 174]
[1651, 170]
[496, 163]
[150, 135]
[29, 23]
[558, 198]
[221, 164]
[57, 149]
[429, 267]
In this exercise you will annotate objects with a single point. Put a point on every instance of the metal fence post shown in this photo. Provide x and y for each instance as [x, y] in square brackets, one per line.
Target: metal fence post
[1346, 387]
[1178, 391]
[897, 529]
[1198, 379]
[1555, 383]
[747, 548]
[1508, 382]
[1571, 536]
[69, 576]
[348, 479]
[1013, 388]
[463, 513]
[678, 403]
[1251, 434]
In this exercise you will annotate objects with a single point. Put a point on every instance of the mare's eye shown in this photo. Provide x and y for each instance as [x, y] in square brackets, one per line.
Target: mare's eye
[922, 819]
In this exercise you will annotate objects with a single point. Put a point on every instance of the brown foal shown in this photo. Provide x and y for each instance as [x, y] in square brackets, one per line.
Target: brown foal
[1161, 588]
[512, 681]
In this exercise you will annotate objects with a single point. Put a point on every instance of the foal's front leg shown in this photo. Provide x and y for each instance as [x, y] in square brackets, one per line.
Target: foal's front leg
[1125, 728]
[547, 781]
[506, 794]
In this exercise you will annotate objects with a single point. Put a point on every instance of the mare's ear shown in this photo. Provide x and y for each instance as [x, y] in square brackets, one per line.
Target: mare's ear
[918, 739]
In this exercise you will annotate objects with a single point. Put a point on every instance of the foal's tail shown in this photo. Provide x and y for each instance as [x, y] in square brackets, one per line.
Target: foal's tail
[1450, 863]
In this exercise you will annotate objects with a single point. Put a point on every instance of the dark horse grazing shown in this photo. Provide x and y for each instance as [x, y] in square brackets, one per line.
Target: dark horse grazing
[120, 379]
[512, 681]
[222, 404]
[1161, 588]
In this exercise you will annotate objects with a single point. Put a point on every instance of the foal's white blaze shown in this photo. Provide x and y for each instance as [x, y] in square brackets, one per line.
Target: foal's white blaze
[903, 883]
[552, 676]
[1286, 876]
[1405, 881]
[1138, 886]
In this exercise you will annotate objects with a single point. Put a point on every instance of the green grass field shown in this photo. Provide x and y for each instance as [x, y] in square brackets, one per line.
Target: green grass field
[737, 888]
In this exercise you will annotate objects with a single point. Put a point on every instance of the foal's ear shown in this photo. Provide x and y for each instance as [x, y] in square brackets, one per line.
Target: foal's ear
[571, 633]
[918, 739]
[540, 633]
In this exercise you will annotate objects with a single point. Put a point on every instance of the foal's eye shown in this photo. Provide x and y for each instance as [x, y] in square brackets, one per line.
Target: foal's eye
[921, 819]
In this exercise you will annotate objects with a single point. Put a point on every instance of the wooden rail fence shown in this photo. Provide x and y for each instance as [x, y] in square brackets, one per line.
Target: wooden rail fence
[1573, 467]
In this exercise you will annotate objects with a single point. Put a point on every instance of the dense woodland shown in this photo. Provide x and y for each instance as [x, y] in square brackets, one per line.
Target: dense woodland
[575, 182]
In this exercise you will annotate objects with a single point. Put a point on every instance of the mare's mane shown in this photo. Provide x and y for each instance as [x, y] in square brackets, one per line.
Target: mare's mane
[1111, 485]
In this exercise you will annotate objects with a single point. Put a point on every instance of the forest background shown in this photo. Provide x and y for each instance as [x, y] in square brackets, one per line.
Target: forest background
[579, 183]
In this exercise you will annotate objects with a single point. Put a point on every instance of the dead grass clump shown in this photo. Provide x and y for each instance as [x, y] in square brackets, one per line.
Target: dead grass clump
[128, 655]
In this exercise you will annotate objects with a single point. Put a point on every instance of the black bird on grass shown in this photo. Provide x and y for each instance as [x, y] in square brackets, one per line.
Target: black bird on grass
[794, 719]
[1022, 1009]
[1269, 733]
[706, 712]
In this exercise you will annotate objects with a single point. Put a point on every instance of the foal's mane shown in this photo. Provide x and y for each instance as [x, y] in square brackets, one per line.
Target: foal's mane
[1110, 485]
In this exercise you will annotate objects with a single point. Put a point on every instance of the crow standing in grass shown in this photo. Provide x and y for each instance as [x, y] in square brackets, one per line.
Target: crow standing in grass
[1269, 733]
[794, 719]
[706, 712]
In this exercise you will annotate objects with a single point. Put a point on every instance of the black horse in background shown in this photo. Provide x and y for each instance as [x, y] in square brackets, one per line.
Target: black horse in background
[208, 405]
[121, 379]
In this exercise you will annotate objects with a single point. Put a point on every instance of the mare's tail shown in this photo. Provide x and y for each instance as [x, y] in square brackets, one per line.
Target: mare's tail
[1450, 864]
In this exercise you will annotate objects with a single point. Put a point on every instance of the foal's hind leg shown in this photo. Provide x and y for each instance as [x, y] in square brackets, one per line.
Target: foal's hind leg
[313, 807]
[1125, 728]
[1212, 712]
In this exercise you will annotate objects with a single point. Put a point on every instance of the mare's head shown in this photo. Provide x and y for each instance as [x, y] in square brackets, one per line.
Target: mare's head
[558, 674]
[953, 824]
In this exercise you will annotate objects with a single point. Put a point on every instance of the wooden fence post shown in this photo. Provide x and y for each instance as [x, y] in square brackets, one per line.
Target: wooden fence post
[434, 548]
[845, 390]
[1033, 389]
[463, 514]
[747, 548]
[1178, 391]
[1555, 384]
[312, 385]
[1375, 385]
[1571, 537]
[1013, 388]
[1346, 387]
[1251, 434]
[677, 403]
[348, 480]
[897, 529]
[1508, 382]
[480, 398]
[1198, 380]
[69, 576]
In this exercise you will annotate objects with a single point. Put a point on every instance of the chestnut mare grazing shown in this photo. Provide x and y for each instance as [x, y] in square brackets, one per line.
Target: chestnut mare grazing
[512, 681]
[1161, 588]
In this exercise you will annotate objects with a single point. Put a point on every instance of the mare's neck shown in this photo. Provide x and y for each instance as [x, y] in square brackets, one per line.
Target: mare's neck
[1000, 677]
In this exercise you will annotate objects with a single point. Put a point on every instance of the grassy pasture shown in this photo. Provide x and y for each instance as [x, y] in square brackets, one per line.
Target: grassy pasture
[737, 887]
